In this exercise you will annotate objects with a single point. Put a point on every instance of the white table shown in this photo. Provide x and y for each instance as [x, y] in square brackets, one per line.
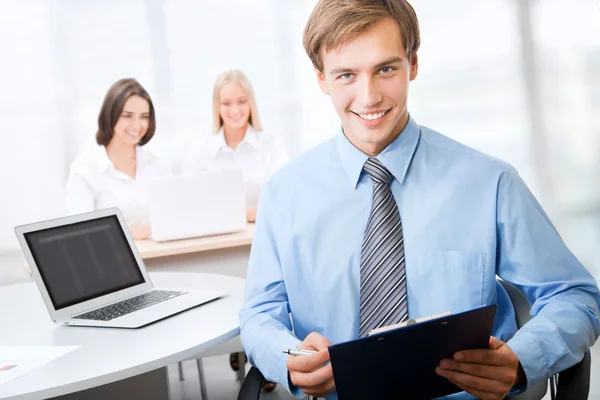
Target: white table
[116, 363]
[221, 254]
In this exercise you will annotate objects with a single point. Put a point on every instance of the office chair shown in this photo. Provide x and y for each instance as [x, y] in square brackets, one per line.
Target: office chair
[252, 386]
[571, 384]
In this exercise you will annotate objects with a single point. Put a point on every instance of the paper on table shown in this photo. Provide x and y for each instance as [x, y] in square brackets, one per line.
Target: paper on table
[18, 360]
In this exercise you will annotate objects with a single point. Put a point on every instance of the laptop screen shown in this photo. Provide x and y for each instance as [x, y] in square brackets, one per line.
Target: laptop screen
[84, 260]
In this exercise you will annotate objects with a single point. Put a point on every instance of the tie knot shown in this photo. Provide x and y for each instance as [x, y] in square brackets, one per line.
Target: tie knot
[377, 171]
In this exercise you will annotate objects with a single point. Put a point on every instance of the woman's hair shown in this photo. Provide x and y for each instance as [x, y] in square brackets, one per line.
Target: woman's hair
[113, 104]
[335, 22]
[234, 76]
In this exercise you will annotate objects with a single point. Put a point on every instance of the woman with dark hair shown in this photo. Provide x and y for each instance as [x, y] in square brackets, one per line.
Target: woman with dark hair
[110, 175]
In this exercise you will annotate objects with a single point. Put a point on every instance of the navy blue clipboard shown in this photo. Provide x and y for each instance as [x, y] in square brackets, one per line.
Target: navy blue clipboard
[400, 364]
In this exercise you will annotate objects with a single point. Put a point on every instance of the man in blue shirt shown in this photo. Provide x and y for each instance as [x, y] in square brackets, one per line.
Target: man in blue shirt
[390, 219]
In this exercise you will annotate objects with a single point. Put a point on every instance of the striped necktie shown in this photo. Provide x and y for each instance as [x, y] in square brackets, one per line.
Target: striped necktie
[383, 299]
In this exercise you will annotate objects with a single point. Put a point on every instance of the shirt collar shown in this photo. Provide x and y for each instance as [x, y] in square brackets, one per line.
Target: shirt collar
[104, 162]
[396, 157]
[141, 156]
[102, 159]
[250, 137]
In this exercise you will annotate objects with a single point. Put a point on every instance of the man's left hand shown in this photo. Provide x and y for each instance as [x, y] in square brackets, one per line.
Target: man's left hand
[486, 374]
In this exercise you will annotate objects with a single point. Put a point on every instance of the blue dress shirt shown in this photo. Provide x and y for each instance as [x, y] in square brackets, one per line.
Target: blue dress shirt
[467, 218]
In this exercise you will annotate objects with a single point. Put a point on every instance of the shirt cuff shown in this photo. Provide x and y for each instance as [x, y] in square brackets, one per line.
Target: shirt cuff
[294, 391]
[518, 389]
[527, 348]
[282, 374]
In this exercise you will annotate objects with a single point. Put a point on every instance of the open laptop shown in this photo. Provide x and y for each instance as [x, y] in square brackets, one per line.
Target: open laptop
[203, 204]
[89, 273]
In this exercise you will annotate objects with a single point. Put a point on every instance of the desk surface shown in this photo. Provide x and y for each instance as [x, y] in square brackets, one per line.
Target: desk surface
[151, 249]
[108, 354]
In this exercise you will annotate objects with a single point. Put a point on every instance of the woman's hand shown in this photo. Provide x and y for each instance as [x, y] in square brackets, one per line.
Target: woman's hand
[140, 232]
[251, 214]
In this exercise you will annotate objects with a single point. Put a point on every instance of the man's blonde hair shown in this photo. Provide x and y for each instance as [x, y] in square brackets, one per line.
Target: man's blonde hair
[335, 22]
[238, 77]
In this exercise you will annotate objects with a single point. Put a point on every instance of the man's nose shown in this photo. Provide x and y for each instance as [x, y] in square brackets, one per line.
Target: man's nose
[369, 94]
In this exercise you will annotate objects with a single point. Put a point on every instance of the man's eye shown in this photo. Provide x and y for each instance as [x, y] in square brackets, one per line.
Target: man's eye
[385, 70]
[345, 77]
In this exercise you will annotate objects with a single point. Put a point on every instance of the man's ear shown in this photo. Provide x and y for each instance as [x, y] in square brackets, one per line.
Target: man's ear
[414, 66]
[321, 80]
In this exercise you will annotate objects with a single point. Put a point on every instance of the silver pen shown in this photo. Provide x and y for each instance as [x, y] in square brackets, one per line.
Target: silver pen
[299, 352]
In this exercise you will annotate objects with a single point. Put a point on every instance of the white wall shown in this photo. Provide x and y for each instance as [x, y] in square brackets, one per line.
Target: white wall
[60, 56]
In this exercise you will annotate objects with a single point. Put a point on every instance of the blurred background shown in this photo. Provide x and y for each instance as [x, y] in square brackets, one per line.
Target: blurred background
[517, 79]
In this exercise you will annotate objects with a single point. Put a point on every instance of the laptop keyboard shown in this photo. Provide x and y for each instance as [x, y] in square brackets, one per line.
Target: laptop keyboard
[130, 305]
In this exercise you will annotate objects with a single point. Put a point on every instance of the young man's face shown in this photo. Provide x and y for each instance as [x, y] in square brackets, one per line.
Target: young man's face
[367, 80]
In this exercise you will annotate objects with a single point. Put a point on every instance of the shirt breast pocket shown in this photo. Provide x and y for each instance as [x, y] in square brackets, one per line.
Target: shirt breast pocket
[445, 280]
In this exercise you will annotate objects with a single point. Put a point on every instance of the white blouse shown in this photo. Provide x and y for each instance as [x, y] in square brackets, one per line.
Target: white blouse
[258, 155]
[94, 184]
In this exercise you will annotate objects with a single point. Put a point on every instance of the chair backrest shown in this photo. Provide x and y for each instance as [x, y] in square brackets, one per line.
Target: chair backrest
[573, 383]
[252, 385]
[521, 306]
[519, 301]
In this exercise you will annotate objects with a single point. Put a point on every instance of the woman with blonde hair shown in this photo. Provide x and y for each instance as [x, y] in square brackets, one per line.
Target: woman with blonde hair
[238, 139]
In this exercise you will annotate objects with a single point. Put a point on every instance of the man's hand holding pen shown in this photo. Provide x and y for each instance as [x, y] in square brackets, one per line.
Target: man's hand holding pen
[309, 372]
